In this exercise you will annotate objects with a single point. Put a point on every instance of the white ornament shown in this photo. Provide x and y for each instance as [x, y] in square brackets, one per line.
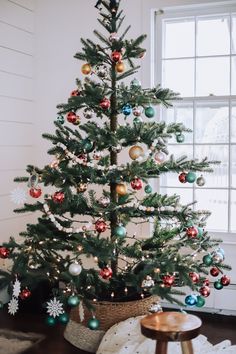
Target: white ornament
[81, 311]
[75, 269]
[55, 308]
[160, 157]
[18, 196]
[13, 306]
[16, 288]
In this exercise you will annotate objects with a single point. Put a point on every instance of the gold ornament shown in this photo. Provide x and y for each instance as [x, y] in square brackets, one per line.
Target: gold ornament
[121, 189]
[86, 69]
[120, 67]
[135, 152]
[82, 187]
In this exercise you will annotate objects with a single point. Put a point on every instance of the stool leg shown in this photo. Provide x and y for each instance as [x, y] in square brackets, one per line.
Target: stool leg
[187, 347]
[161, 347]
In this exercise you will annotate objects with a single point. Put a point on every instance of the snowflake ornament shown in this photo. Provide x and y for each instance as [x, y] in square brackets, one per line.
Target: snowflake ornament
[13, 306]
[54, 307]
[16, 288]
[18, 196]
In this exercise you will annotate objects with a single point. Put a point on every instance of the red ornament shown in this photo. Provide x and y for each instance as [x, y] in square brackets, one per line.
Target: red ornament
[136, 184]
[75, 93]
[105, 103]
[106, 273]
[168, 280]
[71, 117]
[192, 232]
[58, 197]
[35, 192]
[206, 282]
[4, 252]
[100, 226]
[116, 56]
[205, 291]
[225, 280]
[25, 294]
[83, 157]
[194, 277]
[182, 177]
[214, 272]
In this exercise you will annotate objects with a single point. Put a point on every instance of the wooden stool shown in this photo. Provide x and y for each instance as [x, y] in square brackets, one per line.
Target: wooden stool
[171, 327]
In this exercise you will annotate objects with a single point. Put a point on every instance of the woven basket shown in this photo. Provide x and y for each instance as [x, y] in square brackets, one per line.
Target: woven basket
[108, 313]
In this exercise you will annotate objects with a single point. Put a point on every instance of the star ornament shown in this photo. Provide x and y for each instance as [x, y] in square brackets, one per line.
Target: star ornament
[54, 307]
[13, 306]
[16, 288]
[18, 196]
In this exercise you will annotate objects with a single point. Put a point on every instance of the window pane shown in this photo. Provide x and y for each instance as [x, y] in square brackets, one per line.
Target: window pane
[179, 75]
[234, 34]
[212, 77]
[233, 75]
[233, 211]
[186, 195]
[213, 36]
[179, 38]
[233, 166]
[233, 122]
[212, 122]
[215, 201]
[219, 178]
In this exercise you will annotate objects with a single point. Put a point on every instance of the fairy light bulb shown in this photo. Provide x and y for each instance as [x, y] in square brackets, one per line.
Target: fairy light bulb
[95, 259]
[126, 290]
[79, 248]
[112, 294]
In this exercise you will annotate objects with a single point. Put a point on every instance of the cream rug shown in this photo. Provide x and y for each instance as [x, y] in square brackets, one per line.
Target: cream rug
[126, 338]
[17, 342]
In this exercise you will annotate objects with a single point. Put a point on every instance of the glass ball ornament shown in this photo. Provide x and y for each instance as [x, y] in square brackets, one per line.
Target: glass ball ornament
[200, 301]
[120, 231]
[106, 273]
[207, 260]
[121, 189]
[58, 197]
[135, 84]
[136, 184]
[149, 112]
[135, 152]
[104, 201]
[225, 280]
[82, 187]
[71, 117]
[35, 192]
[218, 285]
[120, 67]
[192, 232]
[75, 269]
[168, 280]
[200, 231]
[205, 291]
[86, 68]
[75, 93]
[201, 181]
[191, 177]
[214, 271]
[73, 300]
[206, 282]
[101, 71]
[25, 294]
[50, 321]
[191, 300]
[61, 119]
[88, 114]
[127, 109]
[220, 250]
[87, 145]
[160, 157]
[105, 103]
[93, 324]
[137, 111]
[148, 189]
[180, 138]
[64, 318]
[4, 252]
[148, 282]
[116, 56]
[137, 120]
[114, 37]
[100, 226]
[182, 177]
[218, 257]
[194, 277]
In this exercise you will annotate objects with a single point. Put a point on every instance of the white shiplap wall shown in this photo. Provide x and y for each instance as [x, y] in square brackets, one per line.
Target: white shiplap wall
[16, 105]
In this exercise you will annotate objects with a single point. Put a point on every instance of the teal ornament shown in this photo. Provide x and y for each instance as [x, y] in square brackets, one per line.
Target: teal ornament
[207, 260]
[148, 189]
[93, 323]
[191, 300]
[200, 231]
[135, 84]
[61, 119]
[73, 301]
[127, 109]
[191, 177]
[1, 305]
[149, 112]
[180, 138]
[87, 145]
[50, 321]
[218, 285]
[200, 301]
[138, 120]
[120, 231]
[64, 318]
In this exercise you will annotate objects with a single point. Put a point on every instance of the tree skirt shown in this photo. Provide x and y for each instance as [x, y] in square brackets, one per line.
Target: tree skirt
[126, 338]
[17, 342]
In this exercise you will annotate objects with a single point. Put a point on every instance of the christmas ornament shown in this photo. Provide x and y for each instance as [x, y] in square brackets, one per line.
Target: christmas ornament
[87, 145]
[135, 84]
[18, 196]
[136, 184]
[35, 192]
[75, 269]
[75, 93]
[200, 301]
[191, 177]
[71, 117]
[82, 187]
[121, 189]
[120, 231]
[100, 226]
[83, 157]
[135, 152]
[73, 300]
[168, 280]
[148, 282]
[200, 231]
[214, 272]
[50, 321]
[220, 250]
[194, 277]
[191, 300]
[88, 113]
[205, 291]
[206, 282]
[120, 67]
[93, 323]
[16, 288]
[116, 56]
[77, 121]
[58, 197]
[104, 201]
[127, 109]
[54, 307]
[180, 138]
[218, 285]
[13, 306]
[218, 257]
[97, 155]
[201, 181]
[142, 54]
[33, 180]
[207, 260]
[137, 120]
[105, 103]
[155, 307]
[86, 69]
[192, 232]
[106, 273]
[25, 294]
[101, 71]
[225, 280]
[137, 111]
[159, 157]
[4, 252]
[117, 148]
[114, 37]
[148, 189]
[64, 318]
[61, 119]
[149, 112]
[182, 177]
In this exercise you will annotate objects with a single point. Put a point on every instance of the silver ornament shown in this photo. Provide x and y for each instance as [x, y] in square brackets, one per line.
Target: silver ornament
[218, 257]
[88, 114]
[114, 37]
[201, 181]
[101, 71]
[159, 157]
[155, 307]
[75, 269]
[104, 201]
[148, 282]
[135, 84]
[33, 180]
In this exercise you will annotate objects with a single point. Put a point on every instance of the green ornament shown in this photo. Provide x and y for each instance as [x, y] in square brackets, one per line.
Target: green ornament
[180, 138]
[1, 305]
[191, 177]
[64, 318]
[120, 231]
[149, 112]
[73, 301]
[87, 145]
[218, 285]
[61, 119]
[137, 120]
[207, 260]
[93, 323]
[148, 189]
[200, 231]
[50, 321]
[200, 301]
[135, 84]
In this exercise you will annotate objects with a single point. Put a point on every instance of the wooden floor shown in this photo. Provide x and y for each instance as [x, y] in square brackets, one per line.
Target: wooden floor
[215, 327]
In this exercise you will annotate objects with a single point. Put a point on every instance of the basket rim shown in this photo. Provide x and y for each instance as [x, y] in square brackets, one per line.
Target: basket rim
[124, 302]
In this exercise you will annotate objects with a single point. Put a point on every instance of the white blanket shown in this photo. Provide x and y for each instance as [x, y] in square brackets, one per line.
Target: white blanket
[126, 338]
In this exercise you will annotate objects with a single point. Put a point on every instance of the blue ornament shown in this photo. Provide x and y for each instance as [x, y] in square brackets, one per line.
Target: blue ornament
[127, 109]
[120, 231]
[220, 250]
[191, 300]
[191, 177]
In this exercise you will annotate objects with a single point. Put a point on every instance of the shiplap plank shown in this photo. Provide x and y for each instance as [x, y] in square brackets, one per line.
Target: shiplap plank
[225, 299]
[7, 181]
[16, 62]
[12, 227]
[28, 4]
[16, 110]
[16, 134]
[16, 86]
[16, 39]
[16, 158]
[16, 15]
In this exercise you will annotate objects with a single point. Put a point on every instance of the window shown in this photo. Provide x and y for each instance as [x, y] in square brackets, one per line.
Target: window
[197, 58]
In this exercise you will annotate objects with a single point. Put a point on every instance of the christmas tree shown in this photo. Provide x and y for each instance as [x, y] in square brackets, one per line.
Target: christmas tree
[80, 220]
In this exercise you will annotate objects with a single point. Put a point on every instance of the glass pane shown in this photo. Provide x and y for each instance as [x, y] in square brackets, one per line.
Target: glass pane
[219, 178]
[212, 122]
[233, 122]
[179, 38]
[233, 76]
[186, 195]
[213, 36]
[216, 201]
[179, 76]
[213, 76]
[233, 211]
[233, 166]
[234, 34]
